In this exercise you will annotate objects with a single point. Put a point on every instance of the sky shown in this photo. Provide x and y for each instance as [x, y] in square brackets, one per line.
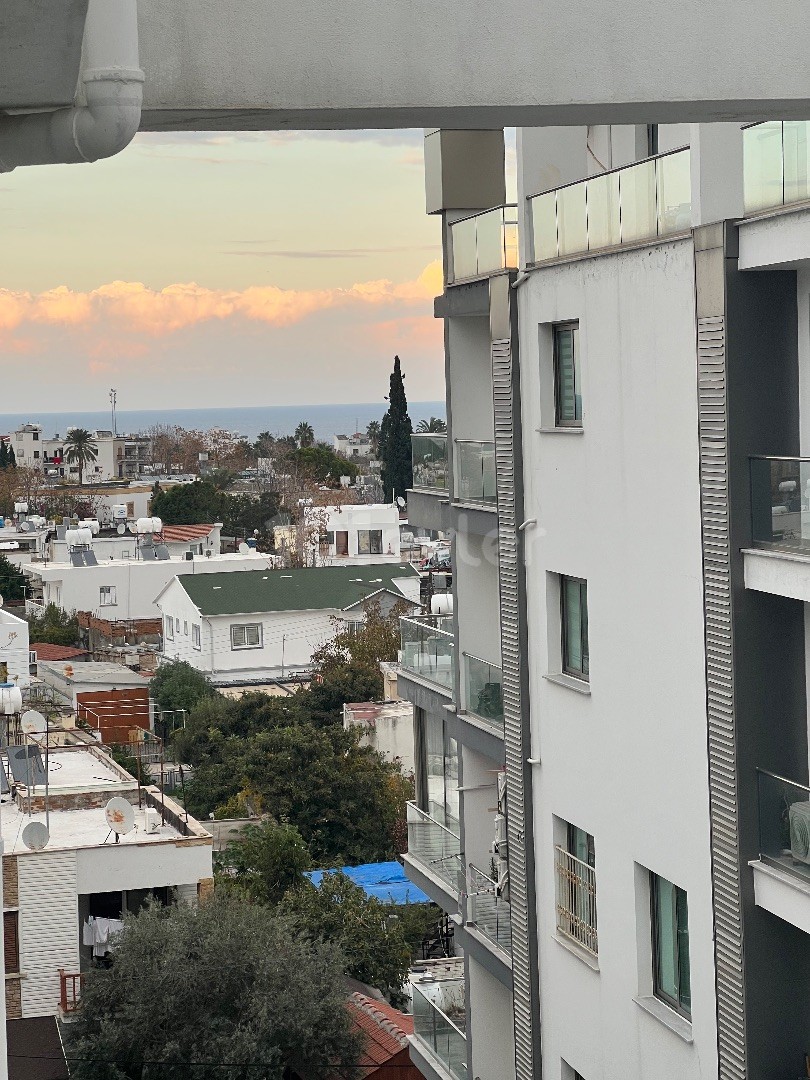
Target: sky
[236, 268]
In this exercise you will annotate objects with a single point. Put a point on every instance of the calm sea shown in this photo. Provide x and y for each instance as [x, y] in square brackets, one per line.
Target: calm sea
[326, 420]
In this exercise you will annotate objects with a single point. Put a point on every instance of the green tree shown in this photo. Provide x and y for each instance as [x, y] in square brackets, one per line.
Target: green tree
[12, 457]
[12, 580]
[177, 685]
[255, 991]
[246, 514]
[368, 934]
[324, 465]
[80, 449]
[200, 503]
[3, 454]
[304, 434]
[54, 626]
[373, 436]
[434, 425]
[395, 439]
[268, 861]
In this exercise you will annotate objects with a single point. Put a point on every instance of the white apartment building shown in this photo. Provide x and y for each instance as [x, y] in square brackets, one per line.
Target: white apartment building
[362, 533]
[354, 446]
[118, 456]
[613, 722]
[53, 895]
[266, 625]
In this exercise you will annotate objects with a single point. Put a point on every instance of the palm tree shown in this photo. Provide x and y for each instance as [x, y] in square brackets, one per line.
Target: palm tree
[434, 426]
[373, 436]
[304, 435]
[80, 449]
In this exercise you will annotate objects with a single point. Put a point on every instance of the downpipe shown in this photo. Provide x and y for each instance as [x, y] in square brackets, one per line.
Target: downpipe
[109, 97]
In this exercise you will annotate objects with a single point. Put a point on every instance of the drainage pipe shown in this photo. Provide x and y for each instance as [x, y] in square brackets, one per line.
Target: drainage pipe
[107, 109]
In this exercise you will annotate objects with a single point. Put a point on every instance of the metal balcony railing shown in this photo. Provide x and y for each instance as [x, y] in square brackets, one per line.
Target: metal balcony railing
[484, 691]
[429, 459]
[443, 1036]
[436, 847]
[483, 244]
[780, 503]
[70, 990]
[649, 200]
[576, 900]
[487, 910]
[428, 647]
[474, 479]
[776, 164]
[784, 824]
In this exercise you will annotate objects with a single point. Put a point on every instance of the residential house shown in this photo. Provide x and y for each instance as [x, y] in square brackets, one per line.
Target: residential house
[14, 651]
[354, 446]
[117, 456]
[387, 727]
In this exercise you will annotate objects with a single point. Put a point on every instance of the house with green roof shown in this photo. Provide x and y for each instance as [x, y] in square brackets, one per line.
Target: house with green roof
[265, 624]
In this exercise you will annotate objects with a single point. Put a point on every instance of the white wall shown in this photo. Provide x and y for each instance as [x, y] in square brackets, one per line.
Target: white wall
[619, 506]
[471, 379]
[476, 587]
[48, 926]
[491, 1025]
[14, 647]
[151, 865]
[352, 518]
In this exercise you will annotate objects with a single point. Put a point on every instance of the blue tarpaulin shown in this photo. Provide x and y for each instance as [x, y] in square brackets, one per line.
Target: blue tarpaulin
[385, 880]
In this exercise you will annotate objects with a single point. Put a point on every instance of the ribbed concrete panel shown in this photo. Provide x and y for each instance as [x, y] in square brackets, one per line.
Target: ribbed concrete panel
[516, 713]
[49, 927]
[713, 432]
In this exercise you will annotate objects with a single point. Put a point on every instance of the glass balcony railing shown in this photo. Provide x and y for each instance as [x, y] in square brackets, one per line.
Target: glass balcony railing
[646, 201]
[784, 824]
[429, 458]
[776, 164]
[488, 911]
[483, 684]
[483, 244]
[780, 503]
[475, 472]
[433, 845]
[445, 1038]
[428, 647]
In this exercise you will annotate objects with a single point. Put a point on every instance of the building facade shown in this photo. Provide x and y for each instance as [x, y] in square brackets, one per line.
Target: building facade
[611, 729]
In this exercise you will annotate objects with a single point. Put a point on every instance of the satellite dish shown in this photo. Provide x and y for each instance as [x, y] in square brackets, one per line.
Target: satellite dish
[120, 815]
[121, 529]
[33, 722]
[243, 548]
[35, 835]
[133, 528]
[25, 526]
[400, 500]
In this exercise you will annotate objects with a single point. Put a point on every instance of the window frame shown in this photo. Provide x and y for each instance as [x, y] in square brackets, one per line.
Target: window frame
[366, 541]
[168, 627]
[583, 673]
[196, 636]
[12, 918]
[674, 1003]
[572, 326]
[247, 645]
[111, 593]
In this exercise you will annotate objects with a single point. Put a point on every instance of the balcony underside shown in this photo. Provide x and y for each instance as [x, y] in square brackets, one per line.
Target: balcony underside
[781, 573]
[783, 893]
[429, 509]
[431, 883]
[778, 239]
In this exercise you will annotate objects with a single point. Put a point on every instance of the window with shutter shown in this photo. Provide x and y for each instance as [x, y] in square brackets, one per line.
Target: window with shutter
[567, 391]
[246, 636]
[11, 942]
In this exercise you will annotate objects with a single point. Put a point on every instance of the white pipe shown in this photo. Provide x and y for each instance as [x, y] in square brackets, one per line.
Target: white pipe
[107, 110]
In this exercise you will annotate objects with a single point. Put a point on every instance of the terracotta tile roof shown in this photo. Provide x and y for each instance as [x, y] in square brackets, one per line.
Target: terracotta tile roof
[46, 651]
[176, 534]
[385, 1028]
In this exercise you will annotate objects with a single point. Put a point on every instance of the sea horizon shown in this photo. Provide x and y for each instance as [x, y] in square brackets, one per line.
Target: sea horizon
[248, 420]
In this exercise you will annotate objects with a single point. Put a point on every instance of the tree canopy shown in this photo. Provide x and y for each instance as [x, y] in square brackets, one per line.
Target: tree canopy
[434, 425]
[178, 685]
[254, 990]
[190, 504]
[80, 449]
[54, 626]
[267, 862]
[395, 439]
[12, 580]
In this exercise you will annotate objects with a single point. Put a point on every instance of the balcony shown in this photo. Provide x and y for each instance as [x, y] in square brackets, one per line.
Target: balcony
[576, 901]
[483, 244]
[435, 848]
[428, 647]
[651, 200]
[429, 458]
[488, 911]
[776, 164]
[475, 473]
[484, 692]
[779, 562]
[441, 1031]
[782, 872]
[70, 991]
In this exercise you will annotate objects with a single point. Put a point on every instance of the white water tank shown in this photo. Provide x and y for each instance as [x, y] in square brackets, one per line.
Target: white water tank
[37, 521]
[20, 507]
[78, 537]
[10, 699]
[119, 512]
[148, 525]
[91, 524]
[441, 604]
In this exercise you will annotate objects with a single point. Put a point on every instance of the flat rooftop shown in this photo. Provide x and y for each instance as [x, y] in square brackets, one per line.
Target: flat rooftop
[92, 671]
[75, 829]
[46, 570]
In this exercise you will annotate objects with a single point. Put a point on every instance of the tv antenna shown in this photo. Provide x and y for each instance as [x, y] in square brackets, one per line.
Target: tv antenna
[113, 396]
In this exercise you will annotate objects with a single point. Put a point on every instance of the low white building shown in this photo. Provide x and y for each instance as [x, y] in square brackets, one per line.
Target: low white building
[353, 446]
[237, 627]
[362, 533]
[387, 728]
[53, 897]
[14, 656]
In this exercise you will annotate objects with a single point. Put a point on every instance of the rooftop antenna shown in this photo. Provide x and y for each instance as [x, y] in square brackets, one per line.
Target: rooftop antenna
[113, 395]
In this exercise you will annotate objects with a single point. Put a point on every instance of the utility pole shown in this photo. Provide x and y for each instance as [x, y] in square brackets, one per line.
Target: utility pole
[113, 395]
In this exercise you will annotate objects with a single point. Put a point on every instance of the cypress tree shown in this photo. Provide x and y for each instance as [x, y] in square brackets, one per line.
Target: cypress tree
[3, 455]
[11, 458]
[395, 439]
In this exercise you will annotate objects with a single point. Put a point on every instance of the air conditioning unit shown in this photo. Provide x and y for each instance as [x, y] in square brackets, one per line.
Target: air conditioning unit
[152, 819]
[799, 821]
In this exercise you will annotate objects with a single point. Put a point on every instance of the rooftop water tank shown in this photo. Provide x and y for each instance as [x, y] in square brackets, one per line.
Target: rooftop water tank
[91, 524]
[78, 537]
[148, 525]
[10, 699]
[119, 512]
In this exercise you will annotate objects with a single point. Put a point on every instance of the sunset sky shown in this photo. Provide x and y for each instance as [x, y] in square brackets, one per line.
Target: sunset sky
[233, 269]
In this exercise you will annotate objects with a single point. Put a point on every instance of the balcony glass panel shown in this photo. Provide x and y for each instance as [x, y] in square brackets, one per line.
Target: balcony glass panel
[429, 457]
[490, 242]
[784, 824]
[443, 1036]
[603, 211]
[780, 503]
[427, 648]
[484, 244]
[544, 226]
[484, 690]
[796, 157]
[674, 188]
[475, 472]
[436, 847]
[637, 195]
[465, 261]
[488, 910]
[763, 177]
[572, 219]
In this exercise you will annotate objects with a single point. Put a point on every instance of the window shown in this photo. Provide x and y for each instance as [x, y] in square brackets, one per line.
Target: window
[341, 543]
[107, 596]
[185, 628]
[246, 636]
[168, 625]
[369, 541]
[576, 889]
[195, 637]
[670, 941]
[442, 775]
[35, 436]
[330, 536]
[177, 625]
[36, 453]
[574, 599]
[567, 390]
[11, 941]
